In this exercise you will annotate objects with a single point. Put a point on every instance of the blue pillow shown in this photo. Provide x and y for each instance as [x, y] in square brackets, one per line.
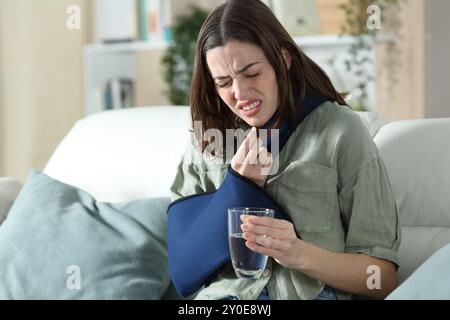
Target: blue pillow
[59, 243]
[430, 281]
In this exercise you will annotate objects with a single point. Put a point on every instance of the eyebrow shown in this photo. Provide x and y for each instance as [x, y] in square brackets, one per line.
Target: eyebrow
[240, 71]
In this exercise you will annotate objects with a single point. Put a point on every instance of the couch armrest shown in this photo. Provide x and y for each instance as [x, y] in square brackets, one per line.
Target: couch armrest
[9, 189]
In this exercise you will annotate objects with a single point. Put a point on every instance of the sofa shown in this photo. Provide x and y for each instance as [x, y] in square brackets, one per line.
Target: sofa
[132, 154]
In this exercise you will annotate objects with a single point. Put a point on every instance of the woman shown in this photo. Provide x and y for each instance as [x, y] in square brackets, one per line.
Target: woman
[339, 234]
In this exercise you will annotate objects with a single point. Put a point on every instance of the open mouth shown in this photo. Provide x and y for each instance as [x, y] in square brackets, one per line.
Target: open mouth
[251, 106]
[251, 109]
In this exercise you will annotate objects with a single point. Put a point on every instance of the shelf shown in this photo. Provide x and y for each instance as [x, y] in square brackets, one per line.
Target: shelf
[304, 41]
[105, 61]
[334, 40]
[126, 47]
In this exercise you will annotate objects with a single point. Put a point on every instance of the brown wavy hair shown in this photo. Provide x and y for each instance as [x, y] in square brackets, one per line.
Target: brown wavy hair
[251, 21]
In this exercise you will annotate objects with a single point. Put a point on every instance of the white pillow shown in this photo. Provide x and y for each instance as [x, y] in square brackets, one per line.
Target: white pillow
[123, 155]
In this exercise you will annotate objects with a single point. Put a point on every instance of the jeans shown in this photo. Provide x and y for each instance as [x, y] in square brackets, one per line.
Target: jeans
[328, 293]
[264, 295]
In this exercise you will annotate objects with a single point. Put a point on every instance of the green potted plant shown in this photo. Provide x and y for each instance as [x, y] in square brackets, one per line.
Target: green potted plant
[357, 21]
[179, 57]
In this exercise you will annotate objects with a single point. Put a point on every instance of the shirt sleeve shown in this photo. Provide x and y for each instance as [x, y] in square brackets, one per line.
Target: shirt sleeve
[366, 199]
[186, 182]
[193, 176]
[370, 213]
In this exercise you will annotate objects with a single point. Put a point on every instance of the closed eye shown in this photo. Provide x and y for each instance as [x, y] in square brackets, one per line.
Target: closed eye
[223, 85]
[226, 84]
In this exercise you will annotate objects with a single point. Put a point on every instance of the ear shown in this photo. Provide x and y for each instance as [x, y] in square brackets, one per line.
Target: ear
[287, 57]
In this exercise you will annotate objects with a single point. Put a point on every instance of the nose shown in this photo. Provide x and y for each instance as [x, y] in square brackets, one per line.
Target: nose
[241, 90]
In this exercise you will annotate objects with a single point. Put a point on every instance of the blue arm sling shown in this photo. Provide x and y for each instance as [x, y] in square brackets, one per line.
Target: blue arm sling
[197, 225]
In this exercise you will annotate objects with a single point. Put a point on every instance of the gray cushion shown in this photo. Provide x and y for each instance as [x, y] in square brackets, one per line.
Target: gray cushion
[430, 281]
[59, 243]
[418, 244]
[9, 189]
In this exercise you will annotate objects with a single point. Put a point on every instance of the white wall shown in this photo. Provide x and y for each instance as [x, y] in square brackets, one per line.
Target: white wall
[438, 55]
[400, 66]
[41, 79]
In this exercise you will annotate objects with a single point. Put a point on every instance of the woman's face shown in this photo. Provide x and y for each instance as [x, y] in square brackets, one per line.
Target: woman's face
[245, 81]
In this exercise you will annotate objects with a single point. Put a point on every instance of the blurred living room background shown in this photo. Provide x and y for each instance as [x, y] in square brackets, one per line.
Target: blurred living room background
[63, 60]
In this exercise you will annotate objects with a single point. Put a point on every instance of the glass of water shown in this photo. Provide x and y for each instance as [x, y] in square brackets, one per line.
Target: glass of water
[246, 263]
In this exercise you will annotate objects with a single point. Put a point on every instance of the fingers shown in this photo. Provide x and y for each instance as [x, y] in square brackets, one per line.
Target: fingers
[269, 232]
[268, 251]
[252, 153]
[262, 230]
[276, 248]
[246, 146]
[265, 158]
[262, 240]
[279, 243]
[252, 156]
[244, 217]
[258, 156]
[268, 222]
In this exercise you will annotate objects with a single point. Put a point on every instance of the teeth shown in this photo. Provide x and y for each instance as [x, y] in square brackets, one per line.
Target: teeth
[252, 106]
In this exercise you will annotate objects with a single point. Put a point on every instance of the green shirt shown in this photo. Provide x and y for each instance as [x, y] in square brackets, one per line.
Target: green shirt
[335, 188]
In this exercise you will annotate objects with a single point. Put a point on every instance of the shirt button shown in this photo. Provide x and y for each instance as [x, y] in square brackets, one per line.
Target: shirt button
[266, 272]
